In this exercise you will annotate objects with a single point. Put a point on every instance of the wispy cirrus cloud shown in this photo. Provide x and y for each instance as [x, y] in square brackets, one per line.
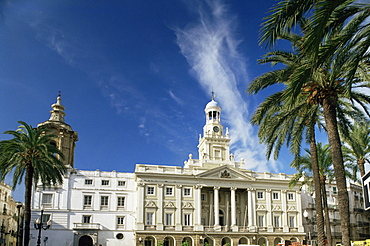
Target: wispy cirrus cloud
[210, 46]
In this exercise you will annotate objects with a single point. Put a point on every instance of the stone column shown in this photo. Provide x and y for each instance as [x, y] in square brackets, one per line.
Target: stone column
[178, 216]
[299, 214]
[216, 208]
[270, 228]
[284, 215]
[160, 208]
[234, 227]
[251, 210]
[198, 208]
[140, 207]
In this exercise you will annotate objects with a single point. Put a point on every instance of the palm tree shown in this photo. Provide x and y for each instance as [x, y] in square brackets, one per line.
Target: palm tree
[31, 157]
[304, 165]
[335, 50]
[357, 149]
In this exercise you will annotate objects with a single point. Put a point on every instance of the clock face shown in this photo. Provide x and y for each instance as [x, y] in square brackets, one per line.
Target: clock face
[216, 129]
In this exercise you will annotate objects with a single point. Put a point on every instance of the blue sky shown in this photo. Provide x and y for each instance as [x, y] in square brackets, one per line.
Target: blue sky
[135, 75]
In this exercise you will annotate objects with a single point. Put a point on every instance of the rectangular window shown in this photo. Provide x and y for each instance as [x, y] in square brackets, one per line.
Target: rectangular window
[259, 194]
[275, 195]
[168, 219]
[169, 191]
[88, 181]
[276, 221]
[87, 201]
[47, 200]
[187, 219]
[150, 190]
[187, 192]
[104, 201]
[290, 196]
[335, 192]
[105, 182]
[291, 221]
[120, 221]
[149, 218]
[86, 219]
[121, 183]
[120, 202]
[260, 220]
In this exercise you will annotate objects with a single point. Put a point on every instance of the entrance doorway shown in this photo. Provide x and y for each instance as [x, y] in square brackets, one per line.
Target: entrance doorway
[85, 241]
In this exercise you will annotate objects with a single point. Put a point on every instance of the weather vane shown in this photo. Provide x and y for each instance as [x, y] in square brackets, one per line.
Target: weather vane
[213, 95]
[59, 93]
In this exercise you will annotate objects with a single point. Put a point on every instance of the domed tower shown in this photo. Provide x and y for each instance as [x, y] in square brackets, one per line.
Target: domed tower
[214, 145]
[66, 137]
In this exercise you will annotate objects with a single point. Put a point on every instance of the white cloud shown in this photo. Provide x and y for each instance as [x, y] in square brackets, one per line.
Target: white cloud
[211, 49]
[174, 97]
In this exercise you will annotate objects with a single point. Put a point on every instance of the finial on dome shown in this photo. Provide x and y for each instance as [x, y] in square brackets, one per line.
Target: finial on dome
[57, 112]
[213, 96]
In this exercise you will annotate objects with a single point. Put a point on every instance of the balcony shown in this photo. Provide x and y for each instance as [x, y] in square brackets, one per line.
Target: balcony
[86, 226]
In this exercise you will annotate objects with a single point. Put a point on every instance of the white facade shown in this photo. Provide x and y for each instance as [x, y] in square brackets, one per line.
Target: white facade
[212, 200]
[92, 205]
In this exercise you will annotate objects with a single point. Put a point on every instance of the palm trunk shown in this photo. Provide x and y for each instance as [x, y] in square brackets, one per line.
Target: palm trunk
[339, 172]
[27, 204]
[326, 209]
[318, 199]
[361, 166]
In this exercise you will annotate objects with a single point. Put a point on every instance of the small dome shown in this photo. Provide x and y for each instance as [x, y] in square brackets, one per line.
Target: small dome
[212, 104]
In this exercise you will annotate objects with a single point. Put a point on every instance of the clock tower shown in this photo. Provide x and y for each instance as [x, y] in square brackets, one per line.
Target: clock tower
[214, 143]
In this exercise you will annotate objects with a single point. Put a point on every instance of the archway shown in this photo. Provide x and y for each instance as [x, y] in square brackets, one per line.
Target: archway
[168, 241]
[262, 241]
[149, 241]
[226, 241]
[85, 241]
[187, 241]
[243, 240]
[278, 240]
[208, 242]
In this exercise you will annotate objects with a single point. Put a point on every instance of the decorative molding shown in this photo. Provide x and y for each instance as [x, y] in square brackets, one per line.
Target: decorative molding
[198, 186]
[261, 207]
[233, 188]
[160, 185]
[216, 187]
[276, 208]
[292, 208]
[169, 205]
[150, 204]
[225, 174]
[178, 186]
[187, 205]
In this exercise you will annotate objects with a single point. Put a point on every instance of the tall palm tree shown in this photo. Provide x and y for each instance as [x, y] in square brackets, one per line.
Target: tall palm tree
[335, 47]
[31, 157]
[357, 148]
[303, 164]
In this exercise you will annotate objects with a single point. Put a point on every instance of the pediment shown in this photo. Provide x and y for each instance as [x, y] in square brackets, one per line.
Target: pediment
[292, 208]
[226, 172]
[150, 204]
[169, 205]
[188, 205]
[261, 207]
[276, 208]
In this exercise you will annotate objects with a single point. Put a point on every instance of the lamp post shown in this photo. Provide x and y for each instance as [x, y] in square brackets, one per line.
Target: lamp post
[305, 214]
[40, 225]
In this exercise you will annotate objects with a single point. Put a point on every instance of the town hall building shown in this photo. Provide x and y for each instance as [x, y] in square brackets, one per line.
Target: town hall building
[212, 200]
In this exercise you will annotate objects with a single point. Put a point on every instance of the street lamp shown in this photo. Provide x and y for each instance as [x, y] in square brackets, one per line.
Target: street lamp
[40, 225]
[305, 214]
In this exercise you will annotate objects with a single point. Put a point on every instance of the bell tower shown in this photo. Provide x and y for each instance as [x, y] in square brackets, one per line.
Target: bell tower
[214, 143]
[66, 137]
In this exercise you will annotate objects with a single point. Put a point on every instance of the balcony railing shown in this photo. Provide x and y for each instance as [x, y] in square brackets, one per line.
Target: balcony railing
[86, 226]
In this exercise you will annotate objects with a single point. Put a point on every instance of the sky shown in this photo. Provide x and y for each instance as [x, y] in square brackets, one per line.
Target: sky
[135, 76]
